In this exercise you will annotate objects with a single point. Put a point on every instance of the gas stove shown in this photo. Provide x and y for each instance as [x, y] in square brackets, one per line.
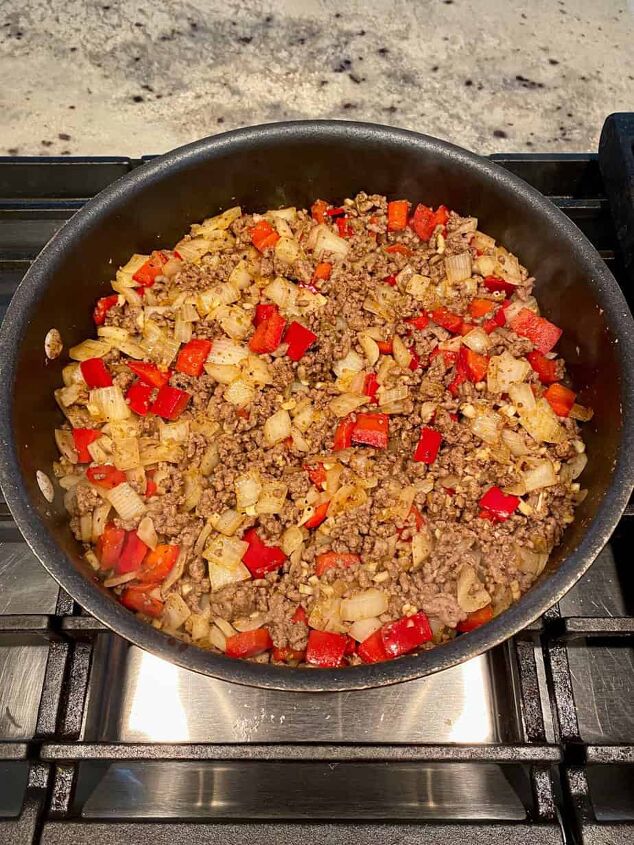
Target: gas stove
[533, 742]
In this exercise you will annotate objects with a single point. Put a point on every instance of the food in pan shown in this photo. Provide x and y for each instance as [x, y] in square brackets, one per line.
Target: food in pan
[321, 437]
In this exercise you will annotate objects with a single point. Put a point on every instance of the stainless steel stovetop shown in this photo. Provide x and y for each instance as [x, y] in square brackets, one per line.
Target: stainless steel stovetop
[101, 742]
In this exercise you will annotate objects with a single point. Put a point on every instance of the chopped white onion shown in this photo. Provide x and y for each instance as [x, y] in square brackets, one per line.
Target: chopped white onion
[505, 370]
[364, 605]
[282, 292]
[471, 593]
[227, 351]
[277, 427]
[147, 532]
[176, 612]
[89, 349]
[126, 501]
[343, 405]
[364, 628]
[108, 403]
[240, 393]
[541, 474]
[458, 267]
[325, 242]
[478, 340]
[248, 488]
[272, 498]
[228, 522]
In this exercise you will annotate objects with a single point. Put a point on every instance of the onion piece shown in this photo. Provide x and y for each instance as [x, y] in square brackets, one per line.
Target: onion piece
[370, 348]
[126, 501]
[228, 522]
[248, 488]
[277, 427]
[89, 349]
[227, 352]
[401, 353]
[234, 321]
[126, 453]
[581, 413]
[224, 555]
[173, 433]
[324, 242]
[66, 444]
[287, 250]
[364, 628]
[522, 397]
[257, 370]
[146, 532]
[478, 340]
[505, 370]
[282, 292]
[486, 424]
[542, 423]
[365, 605]
[422, 547]
[515, 442]
[272, 498]
[471, 593]
[240, 393]
[343, 405]
[291, 540]
[353, 362]
[176, 612]
[458, 267]
[211, 298]
[541, 474]
[218, 223]
[108, 403]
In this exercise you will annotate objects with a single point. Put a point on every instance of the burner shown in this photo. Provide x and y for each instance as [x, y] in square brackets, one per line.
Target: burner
[101, 742]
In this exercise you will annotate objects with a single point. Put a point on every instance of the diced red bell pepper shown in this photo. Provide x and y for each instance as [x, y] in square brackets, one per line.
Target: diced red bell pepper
[326, 649]
[317, 474]
[372, 430]
[268, 334]
[318, 211]
[498, 319]
[321, 511]
[191, 358]
[448, 355]
[397, 211]
[495, 283]
[398, 249]
[447, 319]
[372, 650]
[82, 438]
[498, 504]
[102, 307]
[300, 615]
[106, 476]
[95, 373]
[263, 235]
[332, 560]
[419, 519]
[472, 365]
[150, 488]
[336, 212]
[137, 599]
[170, 402]
[299, 340]
[147, 273]
[466, 327]
[285, 654]
[414, 361]
[406, 634]
[109, 546]
[249, 643]
[480, 307]
[139, 397]
[149, 373]
[322, 272]
[420, 322]
[425, 220]
[546, 368]
[263, 312]
[260, 558]
[386, 347]
[428, 445]
[560, 398]
[541, 332]
[475, 619]
[454, 386]
[343, 434]
[158, 564]
[344, 227]
[390, 280]
[132, 554]
[371, 386]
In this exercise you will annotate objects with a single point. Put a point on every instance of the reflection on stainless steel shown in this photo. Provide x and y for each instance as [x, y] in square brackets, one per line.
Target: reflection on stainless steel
[598, 593]
[13, 777]
[270, 790]
[161, 702]
[25, 586]
[612, 790]
[603, 687]
[21, 675]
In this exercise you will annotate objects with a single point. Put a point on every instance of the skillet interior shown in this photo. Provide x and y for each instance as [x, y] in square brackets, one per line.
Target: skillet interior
[291, 164]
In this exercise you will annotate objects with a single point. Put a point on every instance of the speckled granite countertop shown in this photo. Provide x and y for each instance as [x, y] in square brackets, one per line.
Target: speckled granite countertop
[130, 77]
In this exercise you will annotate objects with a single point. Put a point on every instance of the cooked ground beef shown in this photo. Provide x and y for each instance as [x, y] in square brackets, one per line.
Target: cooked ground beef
[328, 437]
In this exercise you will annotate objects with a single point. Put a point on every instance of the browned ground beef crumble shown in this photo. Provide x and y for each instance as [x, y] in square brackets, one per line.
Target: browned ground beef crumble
[221, 441]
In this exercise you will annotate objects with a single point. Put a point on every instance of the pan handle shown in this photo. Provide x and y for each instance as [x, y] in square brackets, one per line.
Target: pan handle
[616, 162]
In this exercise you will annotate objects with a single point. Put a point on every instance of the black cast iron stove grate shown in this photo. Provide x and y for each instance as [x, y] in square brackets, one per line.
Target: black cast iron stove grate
[101, 743]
